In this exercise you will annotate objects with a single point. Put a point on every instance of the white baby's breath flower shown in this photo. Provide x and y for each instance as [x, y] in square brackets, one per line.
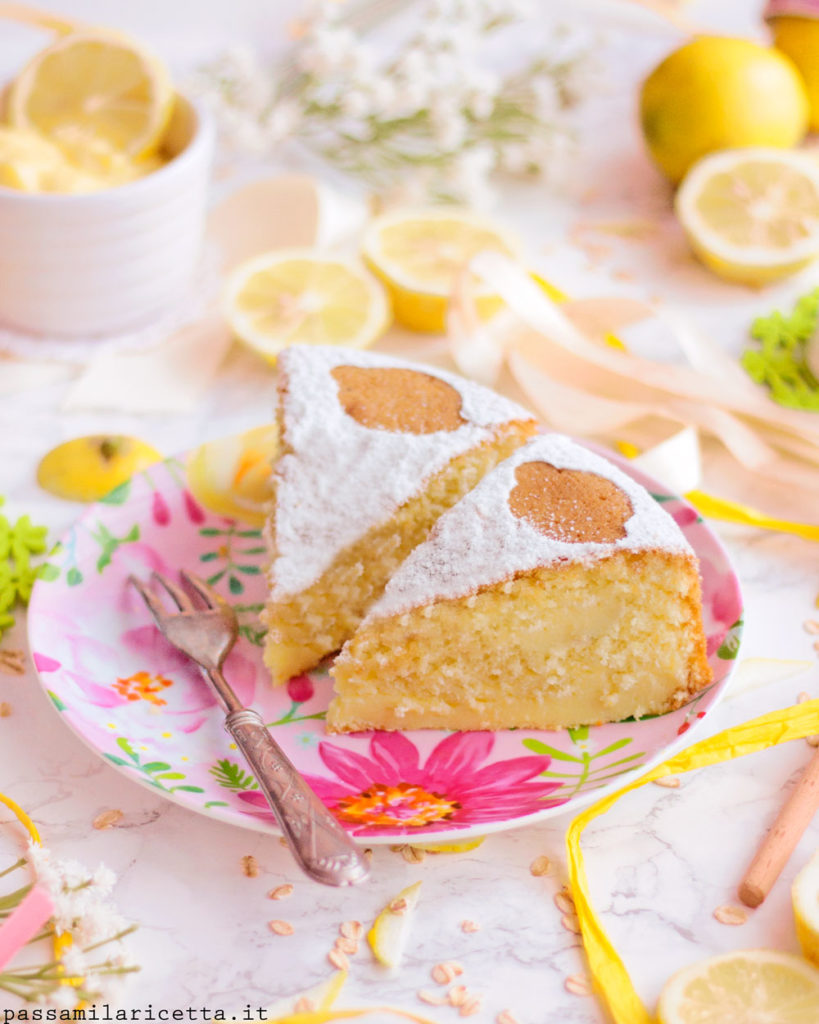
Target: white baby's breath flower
[356, 103]
[282, 121]
[74, 961]
[103, 881]
[448, 124]
[63, 997]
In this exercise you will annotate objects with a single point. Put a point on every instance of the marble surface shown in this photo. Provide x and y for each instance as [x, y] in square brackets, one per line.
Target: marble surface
[659, 863]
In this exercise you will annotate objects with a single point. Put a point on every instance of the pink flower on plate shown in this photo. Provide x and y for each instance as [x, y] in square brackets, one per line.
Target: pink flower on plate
[392, 792]
[145, 674]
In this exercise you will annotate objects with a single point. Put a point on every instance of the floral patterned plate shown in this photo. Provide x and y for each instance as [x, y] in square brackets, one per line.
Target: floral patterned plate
[139, 704]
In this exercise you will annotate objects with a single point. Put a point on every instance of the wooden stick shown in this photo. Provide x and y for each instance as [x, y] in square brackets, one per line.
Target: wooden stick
[779, 843]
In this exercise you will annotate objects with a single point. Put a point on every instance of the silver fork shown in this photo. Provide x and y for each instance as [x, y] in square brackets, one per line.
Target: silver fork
[206, 634]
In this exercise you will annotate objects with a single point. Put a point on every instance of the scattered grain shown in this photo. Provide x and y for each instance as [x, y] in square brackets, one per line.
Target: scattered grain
[351, 930]
[470, 926]
[540, 866]
[281, 892]
[281, 927]
[304, 1005]
[432, 998]
[412, 855]
[667, 782]
[250, 866]
[12, 663]
[368, 853]
[813, 741]
[338, 959]
[578, 985]
[446, 972]
[564, 902]
[457, 995]
[5, 709]
[727, 914]
[283, 842]
[571, 922]
[107, 819]
[398, 906]
[506, 1017]
[470, 1007]
[802, 697]
[349, 946]
[811, 626]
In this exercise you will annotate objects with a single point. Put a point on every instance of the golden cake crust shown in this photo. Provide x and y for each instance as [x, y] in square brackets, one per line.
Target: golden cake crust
[394, 398]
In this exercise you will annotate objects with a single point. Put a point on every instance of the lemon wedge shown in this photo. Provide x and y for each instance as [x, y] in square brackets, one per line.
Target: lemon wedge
[319, 997]
[231, 476]
[388, 935]
[805, 895]
[94, 85]
[418, 255]
[88, 468]
[300, 297]
[752, 215]
[464, 847]
[750, 986]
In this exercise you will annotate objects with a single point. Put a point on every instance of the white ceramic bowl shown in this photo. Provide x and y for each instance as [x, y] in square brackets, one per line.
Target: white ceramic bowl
[106, 262]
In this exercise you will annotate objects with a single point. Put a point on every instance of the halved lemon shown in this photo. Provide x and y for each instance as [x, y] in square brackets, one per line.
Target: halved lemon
[301, 297]
[805, 895]
[418, 255]
[752, 215]
[94, 85]
[751, 986]
[388, 935]
[232, 476]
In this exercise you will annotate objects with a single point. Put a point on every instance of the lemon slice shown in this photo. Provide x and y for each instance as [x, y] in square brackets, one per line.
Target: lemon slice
[752, 215]
[388, 935]
[300, 297]
[89, 468]
[94, 86]
[418, 255]
[805, 894]
[319, 997]
[464, 847]
[231, 477]
[751, 986]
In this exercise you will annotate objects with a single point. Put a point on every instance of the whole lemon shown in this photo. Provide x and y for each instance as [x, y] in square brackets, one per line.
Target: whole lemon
[799, 39]
[720, 93]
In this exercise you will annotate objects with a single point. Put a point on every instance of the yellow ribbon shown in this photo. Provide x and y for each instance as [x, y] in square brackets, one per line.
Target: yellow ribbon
[612, 982]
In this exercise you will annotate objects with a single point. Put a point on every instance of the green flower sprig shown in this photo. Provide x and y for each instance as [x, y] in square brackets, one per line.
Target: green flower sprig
[780, 361]
[18, 542]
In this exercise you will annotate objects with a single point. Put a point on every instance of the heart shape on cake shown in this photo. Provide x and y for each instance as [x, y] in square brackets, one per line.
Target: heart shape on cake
[570, 505]
[404, 401]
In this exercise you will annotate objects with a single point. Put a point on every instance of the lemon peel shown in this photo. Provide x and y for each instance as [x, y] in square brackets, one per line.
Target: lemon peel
[389, 932]
[611, 979]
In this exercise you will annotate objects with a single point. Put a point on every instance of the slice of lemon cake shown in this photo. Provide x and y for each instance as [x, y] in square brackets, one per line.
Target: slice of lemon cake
[373, 450]
[557, 593]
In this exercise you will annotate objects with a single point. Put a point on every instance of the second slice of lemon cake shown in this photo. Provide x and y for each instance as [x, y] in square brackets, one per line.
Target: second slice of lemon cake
[557, 593]
[373, 450]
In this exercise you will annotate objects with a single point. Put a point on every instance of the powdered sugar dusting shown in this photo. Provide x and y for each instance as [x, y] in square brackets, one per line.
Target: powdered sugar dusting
[480, 542]
[340, 479]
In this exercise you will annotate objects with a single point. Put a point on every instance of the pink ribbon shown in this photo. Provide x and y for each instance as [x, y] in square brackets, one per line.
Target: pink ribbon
[24, 923]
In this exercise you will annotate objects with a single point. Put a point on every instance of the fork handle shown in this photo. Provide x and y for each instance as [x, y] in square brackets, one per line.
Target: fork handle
[317, 841]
